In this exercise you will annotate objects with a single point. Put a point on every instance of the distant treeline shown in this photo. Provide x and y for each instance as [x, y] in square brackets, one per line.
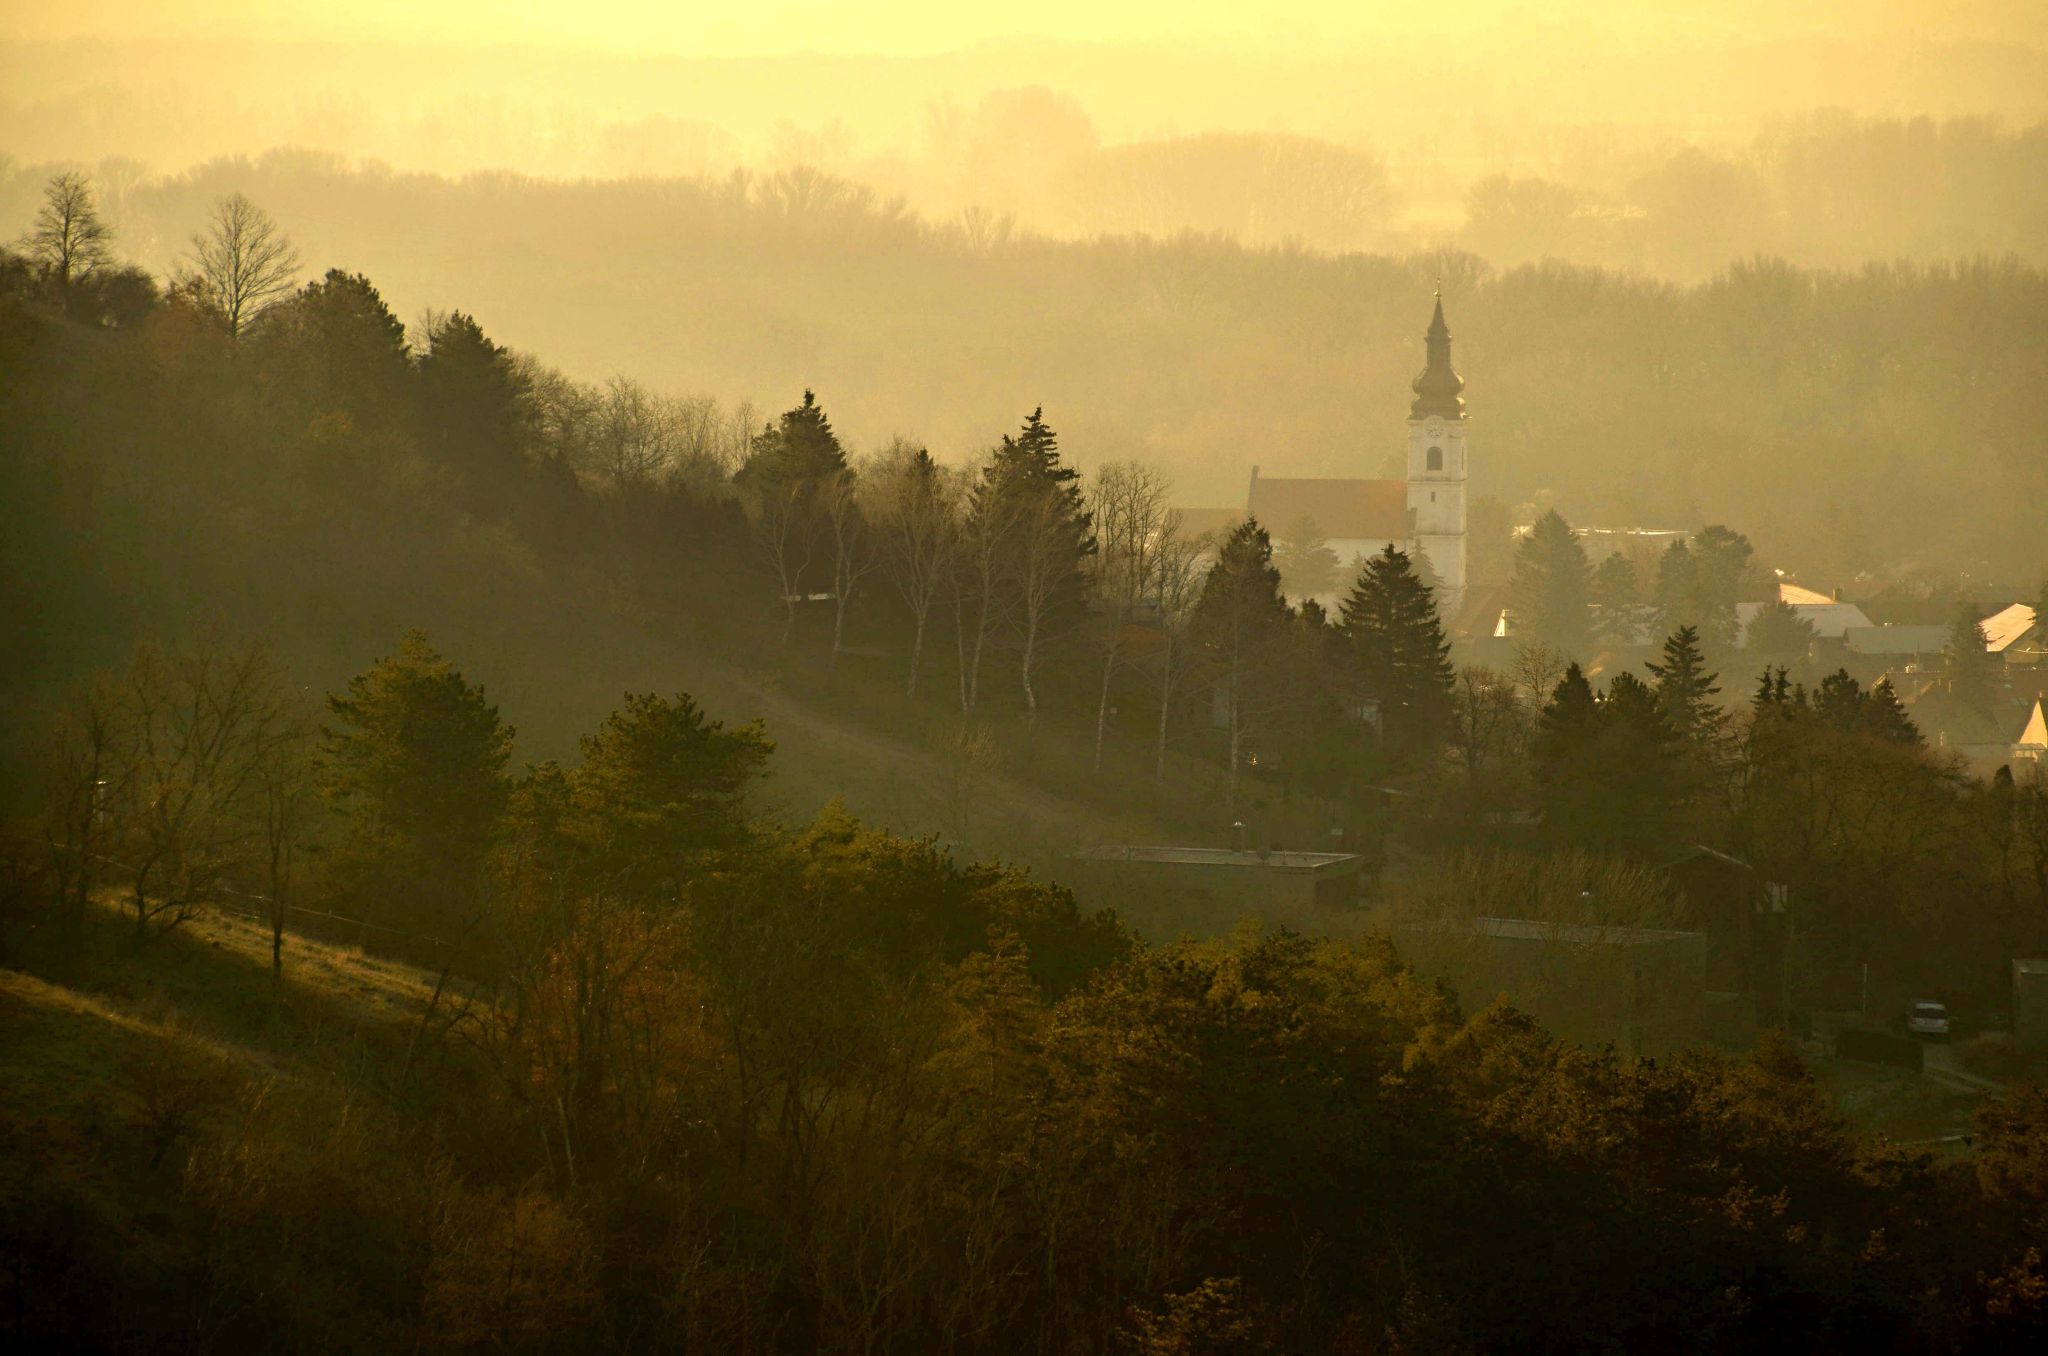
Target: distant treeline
[1852, 421]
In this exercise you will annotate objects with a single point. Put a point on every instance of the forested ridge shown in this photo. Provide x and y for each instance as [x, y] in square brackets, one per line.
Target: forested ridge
[1853, 419]
[677, 1076]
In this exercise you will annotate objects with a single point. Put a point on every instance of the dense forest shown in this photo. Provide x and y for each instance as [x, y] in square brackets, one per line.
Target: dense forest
[657, 1069]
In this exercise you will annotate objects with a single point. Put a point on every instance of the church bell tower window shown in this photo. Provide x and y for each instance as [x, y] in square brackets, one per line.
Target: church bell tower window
[1436, 459]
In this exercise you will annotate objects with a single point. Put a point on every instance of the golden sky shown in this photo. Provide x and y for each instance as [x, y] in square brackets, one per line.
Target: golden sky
[917, 26]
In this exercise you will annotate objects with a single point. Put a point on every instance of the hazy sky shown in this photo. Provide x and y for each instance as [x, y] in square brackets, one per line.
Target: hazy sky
[914, 26]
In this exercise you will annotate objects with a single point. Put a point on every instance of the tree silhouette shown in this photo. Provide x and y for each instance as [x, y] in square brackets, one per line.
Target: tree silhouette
[1397, 651]
[1549, 589]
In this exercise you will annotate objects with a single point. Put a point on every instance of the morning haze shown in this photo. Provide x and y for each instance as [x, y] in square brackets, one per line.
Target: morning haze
[1165, 678]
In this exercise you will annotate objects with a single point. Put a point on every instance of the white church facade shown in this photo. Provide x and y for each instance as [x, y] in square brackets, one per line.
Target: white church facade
[1423, 515]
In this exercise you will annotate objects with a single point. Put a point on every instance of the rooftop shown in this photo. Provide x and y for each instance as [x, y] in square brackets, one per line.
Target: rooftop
[1202, 522]
[1829, 618]
[1536, 930]
[2004, 627]
[1198, 856]
[1342, 510]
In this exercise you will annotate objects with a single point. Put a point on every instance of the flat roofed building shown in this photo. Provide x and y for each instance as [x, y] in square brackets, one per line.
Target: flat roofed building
[1169, 892]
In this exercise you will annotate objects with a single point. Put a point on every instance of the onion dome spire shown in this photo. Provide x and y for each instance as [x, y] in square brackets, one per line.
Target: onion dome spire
[1436, 390]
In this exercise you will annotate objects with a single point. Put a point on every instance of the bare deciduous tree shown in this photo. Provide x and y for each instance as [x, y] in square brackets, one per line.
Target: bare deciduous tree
[242, 261]
[1128, 504]
[90, 758]
[1176, 585]
[915, 507]
[285, 778]
[69, 238]
[1538, 666]
[201, 726]
[853, 548]
[1043, 562]
[779, 515]
[978, 589]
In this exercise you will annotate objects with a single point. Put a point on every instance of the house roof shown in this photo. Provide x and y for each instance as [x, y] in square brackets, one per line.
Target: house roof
[1199, 856]
[2035, 735]
[1830, 619]
[1538, 930]
[1795, 596]
[1342, 510]
[2004, 627]
[1890, 639]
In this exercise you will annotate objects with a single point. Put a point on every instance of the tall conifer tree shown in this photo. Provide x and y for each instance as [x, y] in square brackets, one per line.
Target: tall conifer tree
[1397, 649]
[1685, 690]
[1550, 588]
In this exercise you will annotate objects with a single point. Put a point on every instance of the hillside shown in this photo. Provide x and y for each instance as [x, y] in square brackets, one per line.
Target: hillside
[167, 1114]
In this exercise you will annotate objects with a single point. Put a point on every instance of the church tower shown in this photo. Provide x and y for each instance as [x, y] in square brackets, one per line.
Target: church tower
[1436, 468]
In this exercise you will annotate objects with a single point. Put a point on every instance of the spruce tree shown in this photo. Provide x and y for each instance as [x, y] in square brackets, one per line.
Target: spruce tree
[1685, 690]
[1550, 588]
[1638, 778]
[1398, 654]
[1242, 620]
[1884, 717]
[791, 468]
[1972, 670]
[1568, 719]
[1607, 765]
[1032, 505]
[798, 447]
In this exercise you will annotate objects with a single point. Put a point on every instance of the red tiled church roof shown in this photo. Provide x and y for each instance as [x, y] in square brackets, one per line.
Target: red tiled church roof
[1370, 510]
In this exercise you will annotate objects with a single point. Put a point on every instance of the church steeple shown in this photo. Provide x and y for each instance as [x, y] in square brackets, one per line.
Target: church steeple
[1436, 390]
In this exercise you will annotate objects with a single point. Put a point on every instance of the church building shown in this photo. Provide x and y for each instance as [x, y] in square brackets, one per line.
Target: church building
[1423, 515]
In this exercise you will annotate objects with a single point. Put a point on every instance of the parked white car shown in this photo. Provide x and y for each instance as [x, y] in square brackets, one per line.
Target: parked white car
[1925, 1017]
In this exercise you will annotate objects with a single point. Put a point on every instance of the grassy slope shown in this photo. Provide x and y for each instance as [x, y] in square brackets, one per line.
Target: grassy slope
[138, 1094]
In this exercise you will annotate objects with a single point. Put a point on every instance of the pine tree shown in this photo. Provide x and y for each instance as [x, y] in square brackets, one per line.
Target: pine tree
[1638, 773]
[1045, 541]
[1608, 767]
[1397, 650]
[472, 406]
[793, 466]
[1839, 701]
[1685, 690]
[1778, 629]
[661, 783]
[1885, 718]
[1722, 557]
[798, 447]
[1241, 619]
[413, 760]
[1550, 587]
[1568, 718]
